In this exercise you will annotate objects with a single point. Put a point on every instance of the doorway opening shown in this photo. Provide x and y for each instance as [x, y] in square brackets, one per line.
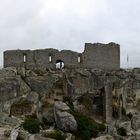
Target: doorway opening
[59, 64]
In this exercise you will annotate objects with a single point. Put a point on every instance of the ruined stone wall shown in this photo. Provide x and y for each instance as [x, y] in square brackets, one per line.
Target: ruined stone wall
[15, 58]
[102, 56]
[97, 56]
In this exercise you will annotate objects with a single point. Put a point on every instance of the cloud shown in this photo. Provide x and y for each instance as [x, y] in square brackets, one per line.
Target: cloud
[68, 24]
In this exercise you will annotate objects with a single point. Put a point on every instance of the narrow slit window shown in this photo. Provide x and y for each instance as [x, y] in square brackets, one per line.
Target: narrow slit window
[50, 58]
[79, 59]
[24, 58]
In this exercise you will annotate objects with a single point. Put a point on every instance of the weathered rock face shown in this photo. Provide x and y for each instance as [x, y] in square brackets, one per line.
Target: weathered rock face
[138, 134]
[12, 121]
[25, 105]
[60, 106]
[41, 84]
[64, 120]
[11, 85]
[9, 88]
[125, 124]
[106, 137]
[5, 133]
[22, 107]
[92, 89]
[8, 72]
[104, 96]
[136, 122]
[48, 115]
[23, 135]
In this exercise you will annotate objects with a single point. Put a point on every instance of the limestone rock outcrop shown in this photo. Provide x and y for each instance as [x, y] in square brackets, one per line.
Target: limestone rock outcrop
[106, 137]
[109, 97]
[136, 122]
[64, 120]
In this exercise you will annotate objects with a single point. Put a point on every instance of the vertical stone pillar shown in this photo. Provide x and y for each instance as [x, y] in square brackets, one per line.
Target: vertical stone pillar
[107, 103]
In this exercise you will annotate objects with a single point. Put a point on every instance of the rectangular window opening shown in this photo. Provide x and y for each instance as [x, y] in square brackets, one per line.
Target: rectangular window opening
[50, 58]
[79, 59]
[24, 58]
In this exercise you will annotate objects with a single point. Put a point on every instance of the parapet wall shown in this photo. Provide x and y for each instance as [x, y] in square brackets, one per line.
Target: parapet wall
[95, 56]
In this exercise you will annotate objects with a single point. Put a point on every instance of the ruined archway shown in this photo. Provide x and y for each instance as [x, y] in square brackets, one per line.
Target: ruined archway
[59, 64]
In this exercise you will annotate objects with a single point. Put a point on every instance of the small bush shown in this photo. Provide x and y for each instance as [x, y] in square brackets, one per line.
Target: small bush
[32, 125]
[121, 131]
[87, 128]
[57, 135]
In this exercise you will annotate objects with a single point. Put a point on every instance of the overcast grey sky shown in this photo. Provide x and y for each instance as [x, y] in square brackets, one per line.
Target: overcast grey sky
[68, 24]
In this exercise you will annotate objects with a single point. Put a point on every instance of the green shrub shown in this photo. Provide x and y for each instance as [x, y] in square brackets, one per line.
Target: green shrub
[87, 128]
[32, 125]
[57, 135]
[121, 131]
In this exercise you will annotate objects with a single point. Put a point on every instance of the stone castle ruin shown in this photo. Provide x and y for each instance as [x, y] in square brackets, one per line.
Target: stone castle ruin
[91, 83]
[95, 56]
[78, 80]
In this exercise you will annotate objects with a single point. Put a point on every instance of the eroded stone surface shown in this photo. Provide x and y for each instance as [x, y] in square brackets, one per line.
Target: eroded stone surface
[64, 120]
[97, 94]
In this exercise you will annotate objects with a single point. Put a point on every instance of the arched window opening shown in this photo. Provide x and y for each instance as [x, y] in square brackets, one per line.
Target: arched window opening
[24, 58]
[59, 64]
